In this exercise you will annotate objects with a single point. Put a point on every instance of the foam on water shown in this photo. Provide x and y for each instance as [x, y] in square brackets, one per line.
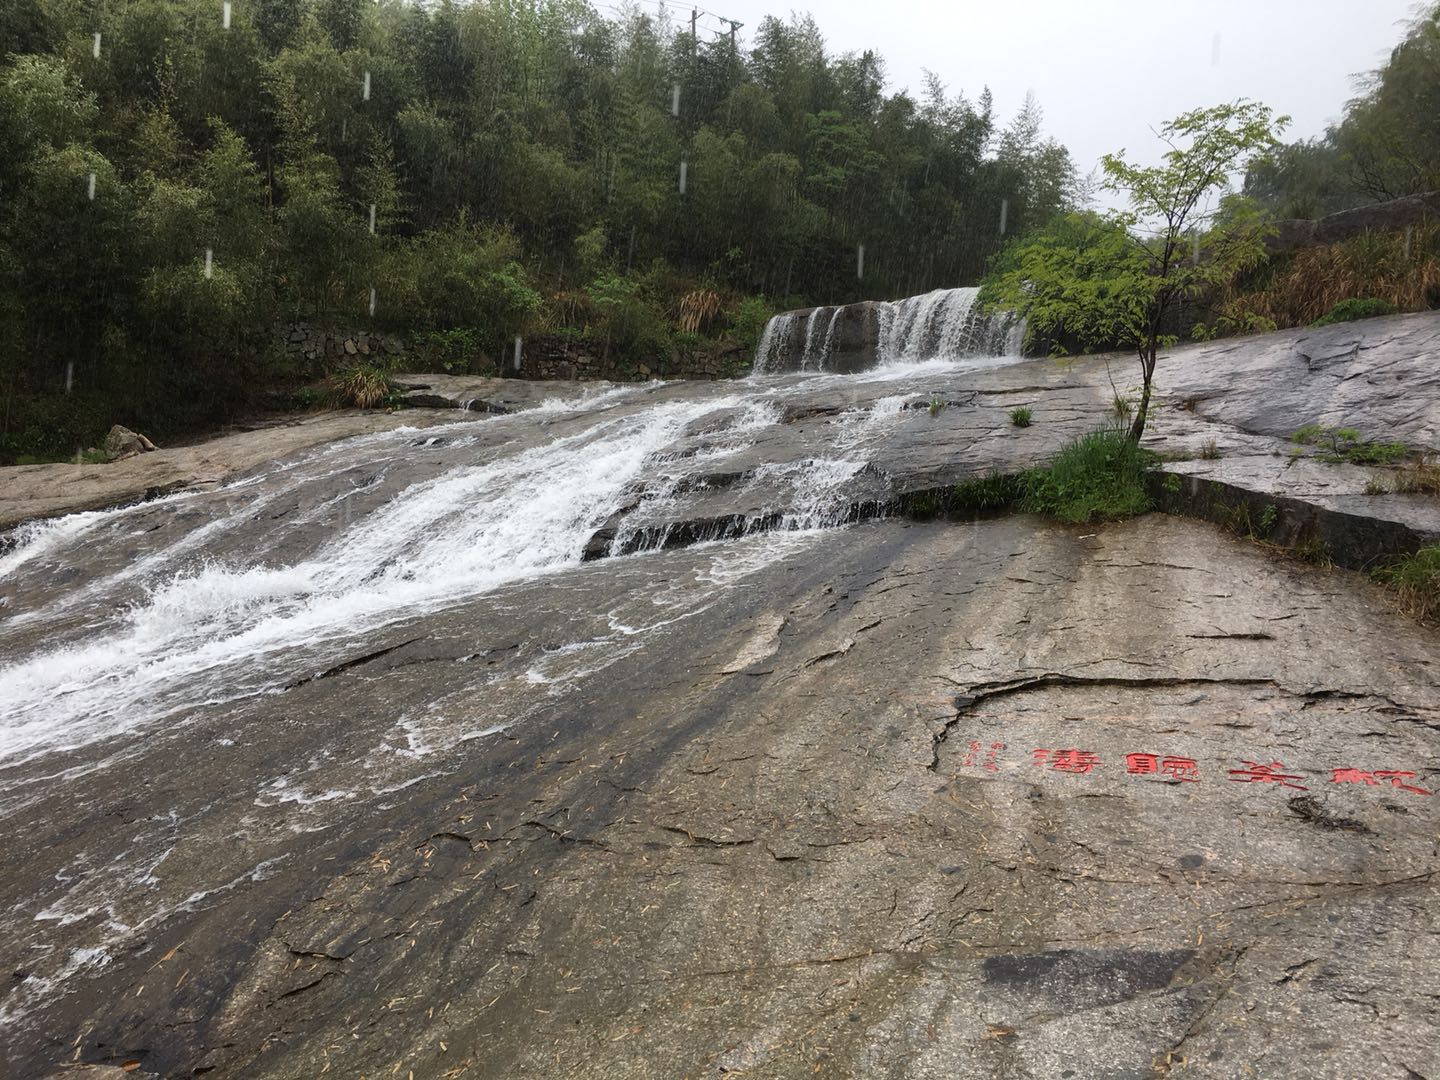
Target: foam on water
[187, 621]
[466, 531]
[945, 325]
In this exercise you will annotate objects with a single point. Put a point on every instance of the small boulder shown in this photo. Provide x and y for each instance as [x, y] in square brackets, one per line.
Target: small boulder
[122, 443]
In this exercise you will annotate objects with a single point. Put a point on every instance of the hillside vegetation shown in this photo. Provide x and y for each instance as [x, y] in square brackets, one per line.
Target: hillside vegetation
[181, 176]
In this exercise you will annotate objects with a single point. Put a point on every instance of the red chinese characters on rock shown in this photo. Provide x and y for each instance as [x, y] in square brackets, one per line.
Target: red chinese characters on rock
[1372, 778]
[1186, 770]
[984, 757]
[1071, 761]
[1256, 773]
[1176, 768]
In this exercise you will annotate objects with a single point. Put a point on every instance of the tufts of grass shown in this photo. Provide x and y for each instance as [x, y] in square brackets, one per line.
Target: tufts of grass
[1020, 417]
[698, 309]
[1342, 444]
[1356, 308]
[981, 494]
[1420, 478]
[1415, 581]
[936, 404]
[1210, 451]
[994, 491]
[1098, 477]
[363, 386]
[1376, 485]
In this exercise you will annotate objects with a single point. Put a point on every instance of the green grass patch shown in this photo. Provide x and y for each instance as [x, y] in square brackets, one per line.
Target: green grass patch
[1020, 417]
[1098, 477]
[992, 492]
[1338, 445]
[1356, 308]
[981, 495]
[1415, 580]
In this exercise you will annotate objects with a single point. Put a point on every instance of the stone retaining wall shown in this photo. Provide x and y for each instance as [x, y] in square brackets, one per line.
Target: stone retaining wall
[552, 357]
[320, 345]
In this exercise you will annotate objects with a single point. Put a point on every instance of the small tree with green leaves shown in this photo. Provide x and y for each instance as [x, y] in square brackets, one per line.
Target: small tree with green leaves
[1112, 279]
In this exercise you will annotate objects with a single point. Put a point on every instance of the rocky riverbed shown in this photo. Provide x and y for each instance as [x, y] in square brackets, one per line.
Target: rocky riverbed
[352, 763]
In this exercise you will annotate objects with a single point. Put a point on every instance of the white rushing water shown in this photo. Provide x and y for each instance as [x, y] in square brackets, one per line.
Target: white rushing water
[148, 634]
[945, 324]
[363, 533]
[475, 526]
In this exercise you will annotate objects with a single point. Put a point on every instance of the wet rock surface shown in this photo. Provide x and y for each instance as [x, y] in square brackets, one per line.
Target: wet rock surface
[982, 798]
[37, 491]
[802, 824]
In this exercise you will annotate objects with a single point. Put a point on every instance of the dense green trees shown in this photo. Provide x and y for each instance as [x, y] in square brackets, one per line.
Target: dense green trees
[173, 183]
[1387, 145]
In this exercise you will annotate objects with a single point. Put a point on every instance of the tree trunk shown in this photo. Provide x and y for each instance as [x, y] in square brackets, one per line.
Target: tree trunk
[1147, 370]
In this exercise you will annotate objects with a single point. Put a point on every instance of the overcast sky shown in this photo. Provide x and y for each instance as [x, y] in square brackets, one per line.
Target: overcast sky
[1106, 71]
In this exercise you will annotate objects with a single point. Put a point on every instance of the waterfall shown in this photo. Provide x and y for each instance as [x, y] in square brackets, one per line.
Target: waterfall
[809, 360]
[945, 324]
[828, 346]
[770, 354]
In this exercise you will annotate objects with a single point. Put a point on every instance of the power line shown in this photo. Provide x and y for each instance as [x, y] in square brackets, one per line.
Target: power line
[683, 10]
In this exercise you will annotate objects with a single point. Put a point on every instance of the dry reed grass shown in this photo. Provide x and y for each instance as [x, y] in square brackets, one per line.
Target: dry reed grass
[698, 309]
[1380, 266]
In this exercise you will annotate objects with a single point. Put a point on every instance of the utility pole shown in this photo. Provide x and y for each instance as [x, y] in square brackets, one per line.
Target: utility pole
[733, 27]
[694, 42]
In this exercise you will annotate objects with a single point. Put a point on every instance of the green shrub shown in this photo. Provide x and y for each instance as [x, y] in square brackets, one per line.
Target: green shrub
[308, 398]
[457, 349]
[1098, 477]
[1415, 581]
[1358, 308]
[749, 321]
[460, 275]
[1020, 417]
[628, 318]
[1343, 444]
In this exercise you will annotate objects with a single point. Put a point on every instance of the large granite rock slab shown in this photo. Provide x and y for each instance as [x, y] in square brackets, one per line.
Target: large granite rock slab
[974, 798]
[28, 492]
[912, 801]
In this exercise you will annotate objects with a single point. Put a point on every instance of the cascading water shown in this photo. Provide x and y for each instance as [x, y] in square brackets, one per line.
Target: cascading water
[774, 342]
[364, 533]
[945, 324]
[193, 624]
